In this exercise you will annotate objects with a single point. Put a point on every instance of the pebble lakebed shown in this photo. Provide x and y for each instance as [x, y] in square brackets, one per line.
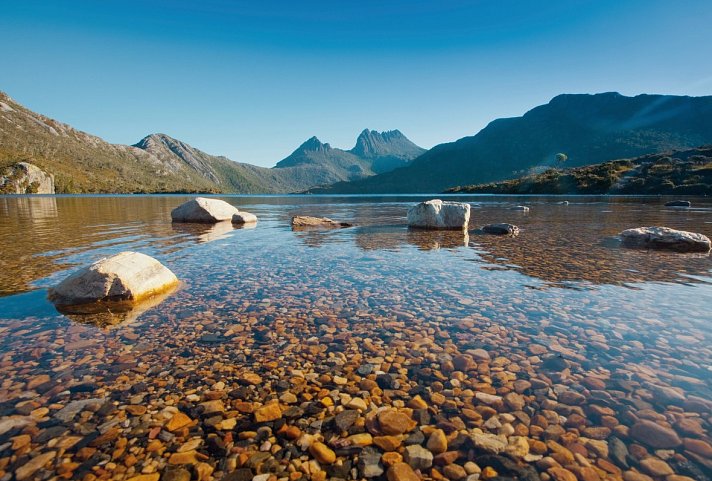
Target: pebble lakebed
[371, 352]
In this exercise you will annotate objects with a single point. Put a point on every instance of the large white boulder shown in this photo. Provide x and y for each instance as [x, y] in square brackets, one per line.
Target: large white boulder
[205, 210]
[665, 238]
[128, 276]
[436, 214]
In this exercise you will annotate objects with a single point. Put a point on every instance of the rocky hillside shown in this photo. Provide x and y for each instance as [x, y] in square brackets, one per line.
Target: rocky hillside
[81, 162]
[84, 163]
[589, 129]
[686, 172]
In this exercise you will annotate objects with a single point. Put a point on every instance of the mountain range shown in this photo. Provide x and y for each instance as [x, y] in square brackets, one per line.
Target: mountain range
[84, 163]
[587, 128]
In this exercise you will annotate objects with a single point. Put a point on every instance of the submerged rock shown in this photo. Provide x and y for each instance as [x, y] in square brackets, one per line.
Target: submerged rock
[204, 210]
[678, 203]
[654, 435]
[244, 218]
[127, 276]
[501, 229]
[665, 238]
[437, 214]
[309, 221]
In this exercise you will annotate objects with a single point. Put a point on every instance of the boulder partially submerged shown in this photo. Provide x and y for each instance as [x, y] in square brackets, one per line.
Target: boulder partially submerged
[437, 214]
[678, 203]
[501, 229]
[665, 238]
[203, 210]
[125, 278]
[309, 221]
[243, 217]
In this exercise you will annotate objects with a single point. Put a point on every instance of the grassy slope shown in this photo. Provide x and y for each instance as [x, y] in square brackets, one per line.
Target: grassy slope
[686, 172]
[83, 162]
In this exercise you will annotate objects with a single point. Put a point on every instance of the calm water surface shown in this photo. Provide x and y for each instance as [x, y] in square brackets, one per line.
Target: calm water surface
[628, 329]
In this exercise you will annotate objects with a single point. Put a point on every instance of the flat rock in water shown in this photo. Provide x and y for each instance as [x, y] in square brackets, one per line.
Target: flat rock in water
[203, 210]
[501, 229]
[437, 214]
[244, 218]
[665, 238]
[678, 203]
[309, 221]
[127, 276]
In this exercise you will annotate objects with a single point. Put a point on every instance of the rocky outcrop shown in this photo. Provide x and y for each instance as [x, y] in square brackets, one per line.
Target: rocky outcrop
[665, 238]
[244, 218]
[25, 178]
[309, 221]
[127, 277]
[203, 210]
[501, 229]
[436, 214]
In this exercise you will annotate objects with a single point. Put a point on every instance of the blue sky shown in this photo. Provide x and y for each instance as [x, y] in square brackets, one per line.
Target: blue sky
[252, 80]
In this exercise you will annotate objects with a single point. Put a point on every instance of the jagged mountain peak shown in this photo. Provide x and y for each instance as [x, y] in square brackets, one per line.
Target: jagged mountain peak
[390, 143]
[385, 134]
[313, 143]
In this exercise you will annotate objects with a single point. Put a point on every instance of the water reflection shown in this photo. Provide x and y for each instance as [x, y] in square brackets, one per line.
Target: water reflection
[203, 233]
[34, 209]
[397, 237]
[111, 315]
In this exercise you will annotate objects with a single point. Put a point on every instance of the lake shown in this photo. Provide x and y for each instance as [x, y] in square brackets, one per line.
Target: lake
[553, 354]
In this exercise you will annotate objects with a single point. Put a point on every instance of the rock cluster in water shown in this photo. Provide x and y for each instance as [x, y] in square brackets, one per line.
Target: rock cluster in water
[303, 390]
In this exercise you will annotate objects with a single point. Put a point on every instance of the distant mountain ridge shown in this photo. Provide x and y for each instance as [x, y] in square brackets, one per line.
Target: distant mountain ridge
[82, 162]
[388, 150]
[374, 152]
[588, 128]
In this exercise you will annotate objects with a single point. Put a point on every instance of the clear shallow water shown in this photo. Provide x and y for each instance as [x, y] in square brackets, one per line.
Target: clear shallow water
[270, 300]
